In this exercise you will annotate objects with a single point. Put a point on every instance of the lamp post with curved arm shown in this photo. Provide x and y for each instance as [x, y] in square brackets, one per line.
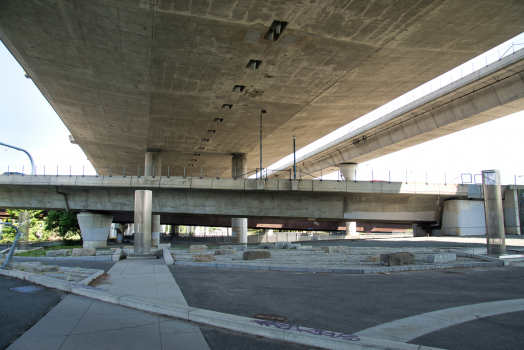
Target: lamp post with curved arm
[12, 250]
[22, 150]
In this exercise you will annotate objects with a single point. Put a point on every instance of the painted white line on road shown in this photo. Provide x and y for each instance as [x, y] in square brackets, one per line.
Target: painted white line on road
[409, 328]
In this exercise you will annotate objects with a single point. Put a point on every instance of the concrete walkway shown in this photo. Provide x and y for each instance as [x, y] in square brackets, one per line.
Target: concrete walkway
[78, 322]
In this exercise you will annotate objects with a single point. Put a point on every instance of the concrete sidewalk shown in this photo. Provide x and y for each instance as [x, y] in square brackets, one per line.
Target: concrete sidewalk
[78, 322]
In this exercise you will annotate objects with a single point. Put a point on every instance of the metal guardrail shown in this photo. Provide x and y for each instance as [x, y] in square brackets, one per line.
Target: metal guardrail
[372, 175]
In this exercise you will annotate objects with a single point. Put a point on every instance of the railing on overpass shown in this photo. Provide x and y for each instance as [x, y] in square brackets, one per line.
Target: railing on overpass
[363, 174]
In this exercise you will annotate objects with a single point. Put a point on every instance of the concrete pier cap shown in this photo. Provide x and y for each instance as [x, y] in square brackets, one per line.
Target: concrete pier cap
[348, 170]
[94, 228]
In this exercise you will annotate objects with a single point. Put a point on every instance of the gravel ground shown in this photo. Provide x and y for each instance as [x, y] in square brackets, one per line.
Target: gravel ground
[356, 259]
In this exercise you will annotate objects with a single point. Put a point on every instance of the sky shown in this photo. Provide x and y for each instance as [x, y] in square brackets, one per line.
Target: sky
[29, 122]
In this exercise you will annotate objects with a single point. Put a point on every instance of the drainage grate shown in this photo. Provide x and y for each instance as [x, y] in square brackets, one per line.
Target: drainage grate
[271, 317]
[28, 289]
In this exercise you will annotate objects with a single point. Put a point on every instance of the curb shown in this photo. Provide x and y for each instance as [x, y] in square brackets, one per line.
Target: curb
[346, 271]
[88, 258]
[268, 329]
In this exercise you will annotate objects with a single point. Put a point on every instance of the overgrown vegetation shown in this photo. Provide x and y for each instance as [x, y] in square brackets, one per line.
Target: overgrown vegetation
[52, 225]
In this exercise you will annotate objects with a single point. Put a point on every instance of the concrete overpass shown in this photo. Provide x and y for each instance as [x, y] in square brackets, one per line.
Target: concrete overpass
[188, 80]
[492, 92]
[304, 200]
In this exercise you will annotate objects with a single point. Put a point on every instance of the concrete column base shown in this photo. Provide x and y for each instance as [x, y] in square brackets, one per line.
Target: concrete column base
[95, 244]
[239, 230]
[94, 229]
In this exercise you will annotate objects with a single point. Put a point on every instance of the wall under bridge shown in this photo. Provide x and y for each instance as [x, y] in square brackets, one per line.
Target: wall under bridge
[303, 200]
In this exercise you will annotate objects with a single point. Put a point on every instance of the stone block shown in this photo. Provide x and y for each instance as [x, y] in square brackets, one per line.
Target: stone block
[197, 248]
[373, 258]
[84, 252]
[282, 245]
[238, 247]
[49, 268]
[304, 247]
[26, 266]
[336, 249]
[397, 259]
[164, 246]
[55, 253]
[224, 251]
[203, 258]
[266, 246]
[256, 254]
[441, 258]
[104, 252]
[128, 247]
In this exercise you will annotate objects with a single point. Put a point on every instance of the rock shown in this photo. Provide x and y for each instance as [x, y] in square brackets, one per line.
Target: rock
[396, 259]
[282, 245]
[49, 268]
[197, 248]
[104, 252]
[164, 246]
[336, 249]
[238, 248]
[203, 258]
[27, 266]
[373, 258]
[266, 246]
[440, 258]
[256, 254]
[84, 252]
[55, 253]
[113, 249]
[128, 247]
[224, 251]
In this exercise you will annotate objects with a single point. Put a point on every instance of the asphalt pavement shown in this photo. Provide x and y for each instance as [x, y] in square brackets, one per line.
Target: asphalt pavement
[350, 303]
[20, 311]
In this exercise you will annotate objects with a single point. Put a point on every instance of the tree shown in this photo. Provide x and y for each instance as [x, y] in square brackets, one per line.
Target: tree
[36, 228]
[64, 224]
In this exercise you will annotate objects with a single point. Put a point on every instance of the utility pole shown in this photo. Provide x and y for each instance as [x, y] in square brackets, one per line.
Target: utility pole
[294, 160]
[262, 111]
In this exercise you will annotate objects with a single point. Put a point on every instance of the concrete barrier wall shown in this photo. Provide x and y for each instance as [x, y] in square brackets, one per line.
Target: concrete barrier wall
[329, 200]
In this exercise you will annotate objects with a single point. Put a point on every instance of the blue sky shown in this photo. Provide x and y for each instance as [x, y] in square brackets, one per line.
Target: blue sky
[29, 122]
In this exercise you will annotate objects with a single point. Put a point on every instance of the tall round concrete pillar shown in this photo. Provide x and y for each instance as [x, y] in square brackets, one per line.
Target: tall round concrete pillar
[24, 223]
[156, 228]
[143, 207]
[349, 171]
[239, 225]
[153, 167]
[94, 229]
[351, 228]
[495, 235]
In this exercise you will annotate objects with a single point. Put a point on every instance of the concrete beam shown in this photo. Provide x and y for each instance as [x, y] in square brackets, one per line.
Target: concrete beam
[323, 200]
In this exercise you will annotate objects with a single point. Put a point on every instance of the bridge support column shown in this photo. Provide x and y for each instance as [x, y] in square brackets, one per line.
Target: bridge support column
[143, 206]
[94, 229]
[493, 211]
[153, 167]
[349, 171]
[351, 228]
[511, 213]
[239, 225]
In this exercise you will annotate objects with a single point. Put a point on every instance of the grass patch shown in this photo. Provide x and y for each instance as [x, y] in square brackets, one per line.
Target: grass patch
[41, 252]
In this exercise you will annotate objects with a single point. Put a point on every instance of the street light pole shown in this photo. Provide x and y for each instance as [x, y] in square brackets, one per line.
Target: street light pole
[22, 150]
[261, 112]
[294, 160]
